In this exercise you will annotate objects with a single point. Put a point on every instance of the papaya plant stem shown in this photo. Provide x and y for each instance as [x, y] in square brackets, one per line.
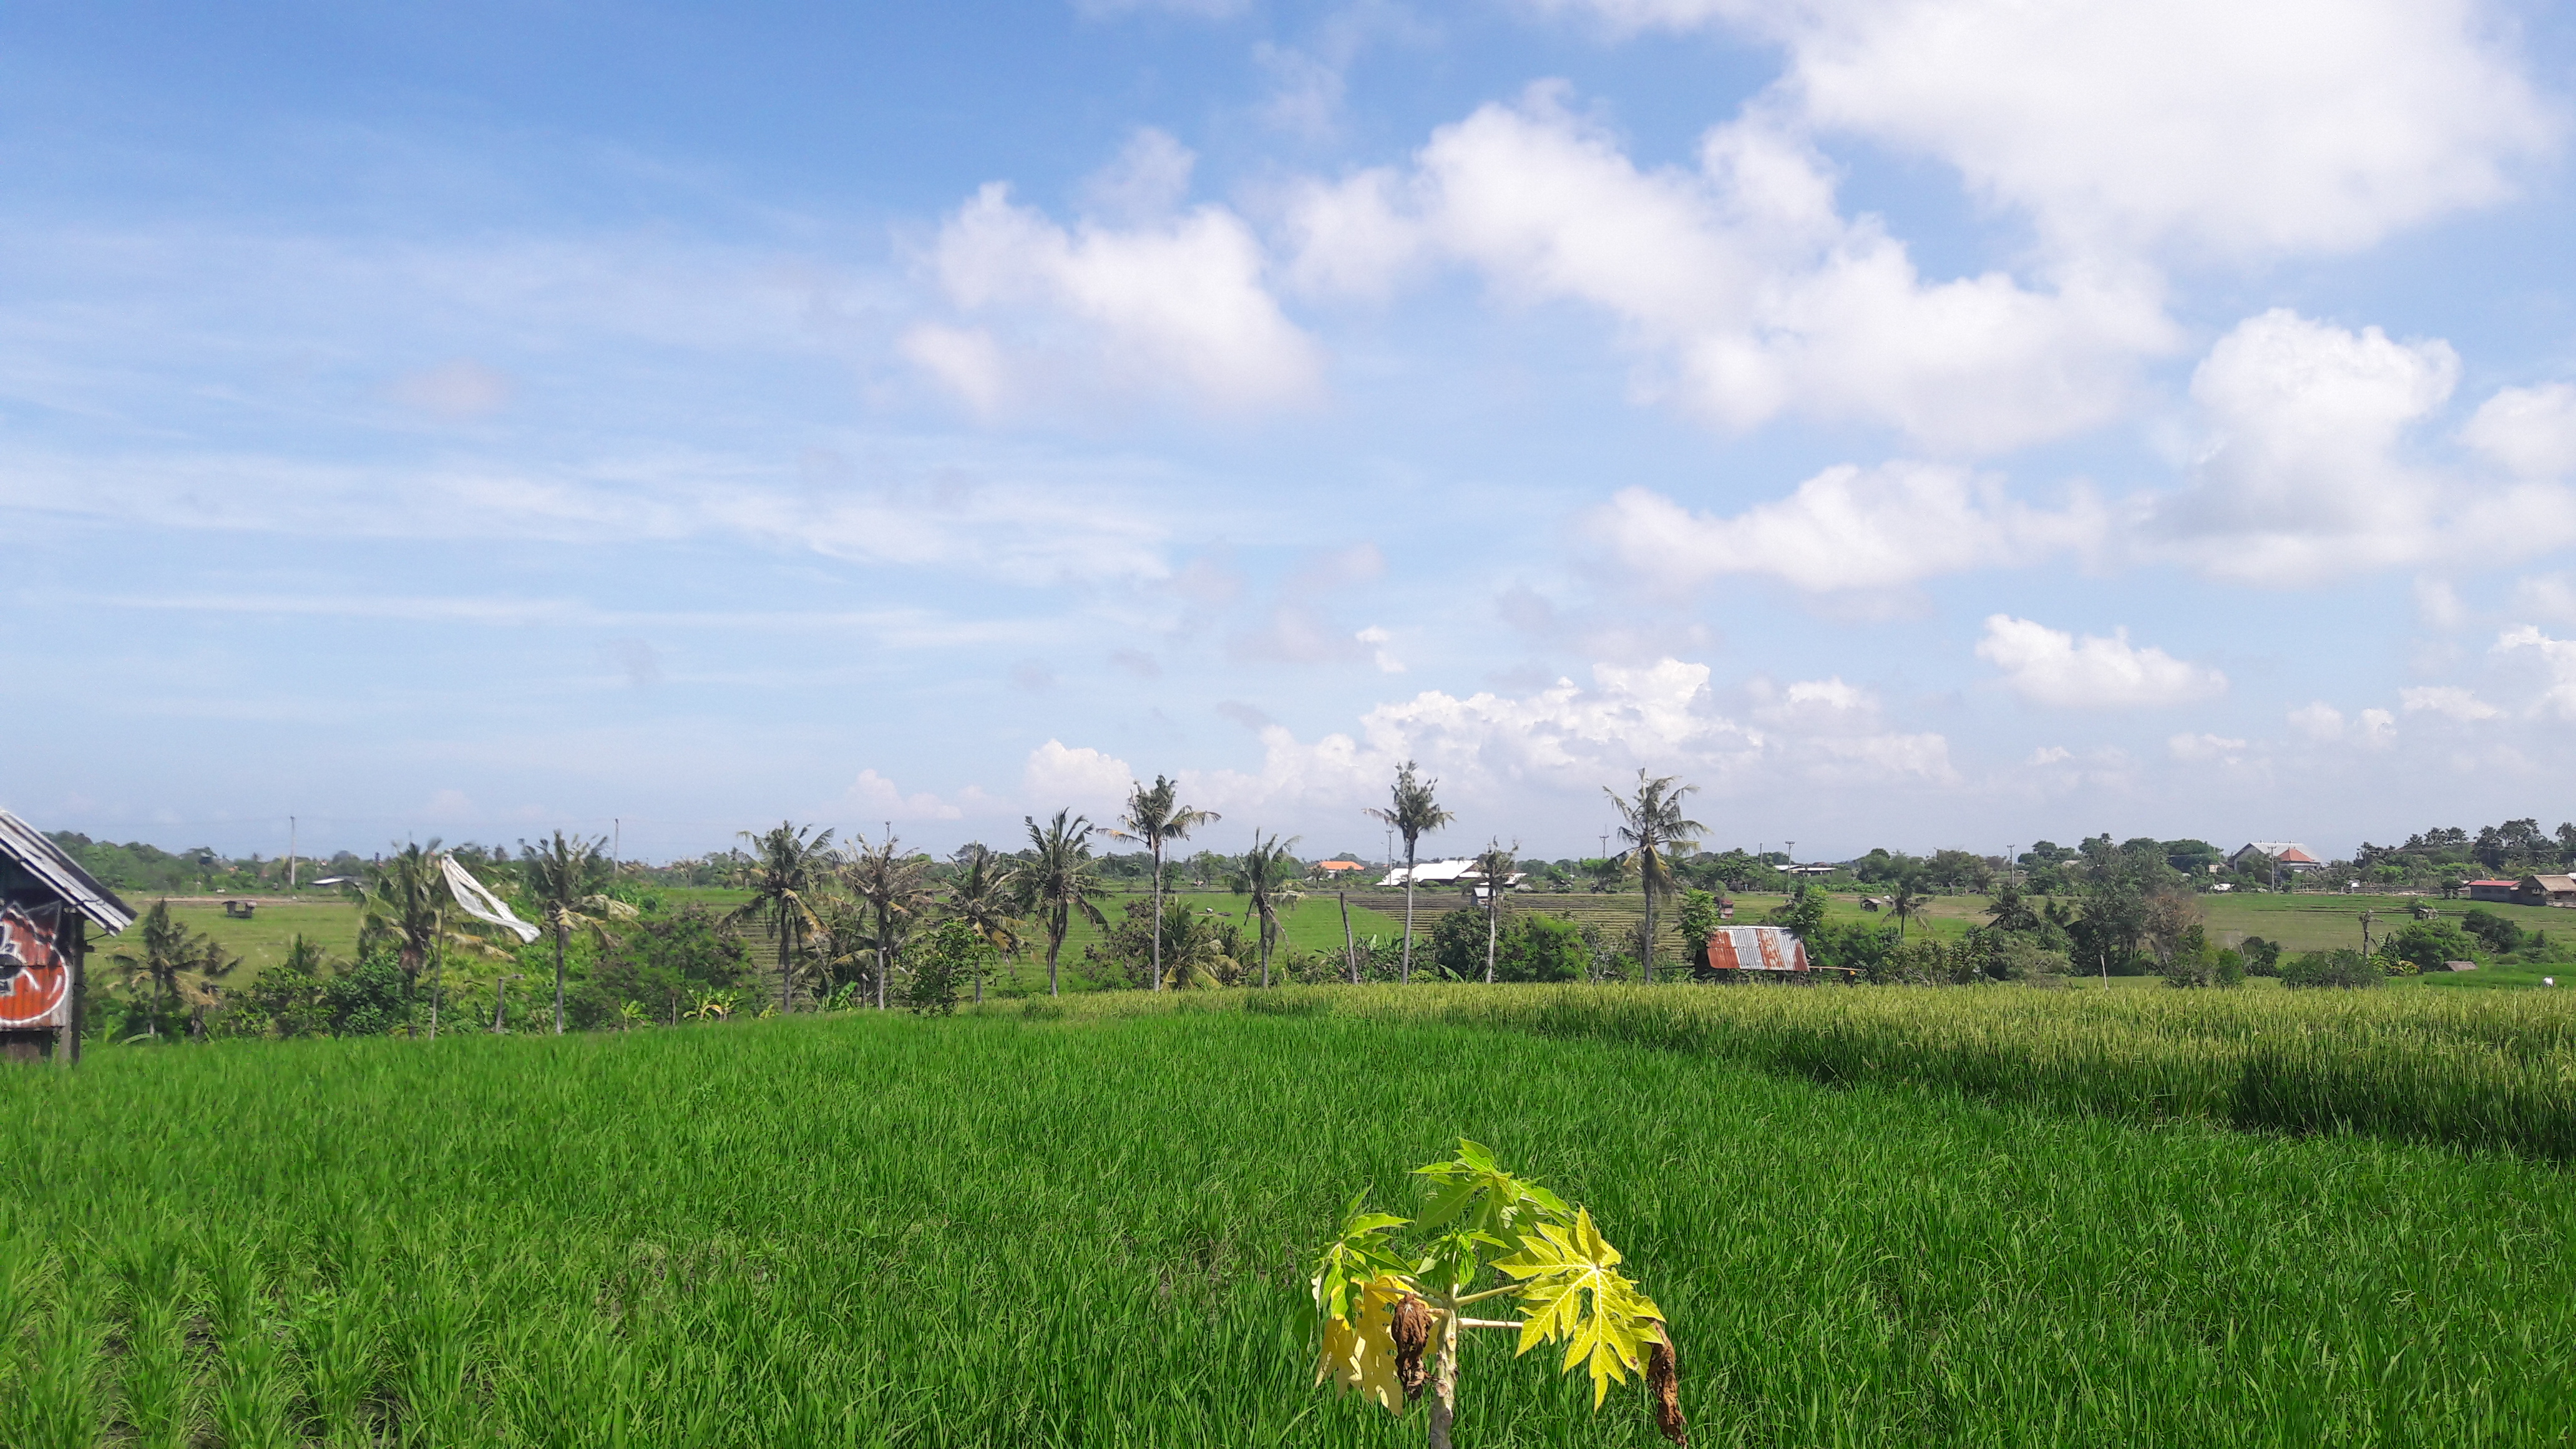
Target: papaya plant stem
[1444, 1374]
[1464, 1299]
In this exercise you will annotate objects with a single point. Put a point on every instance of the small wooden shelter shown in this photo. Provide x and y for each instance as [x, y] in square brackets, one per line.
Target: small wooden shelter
[47, 905]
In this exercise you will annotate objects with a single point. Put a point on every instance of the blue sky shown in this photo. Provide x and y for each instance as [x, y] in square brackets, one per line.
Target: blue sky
[1921, 424]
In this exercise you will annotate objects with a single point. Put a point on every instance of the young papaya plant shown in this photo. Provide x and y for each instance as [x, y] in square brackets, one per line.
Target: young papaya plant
[1390, 1293]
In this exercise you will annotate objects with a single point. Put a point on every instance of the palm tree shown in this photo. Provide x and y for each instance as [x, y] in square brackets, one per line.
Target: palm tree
[890, 887]
[1413, 814]
[405, 894]
[168, 952]
[1156, 816]
[568, 880]
[202, 988]
[1906, 904]
[786, 877]
[1059, 881]
[981, 897]
[1651, 823]
[1268, 879]
[1495, 865]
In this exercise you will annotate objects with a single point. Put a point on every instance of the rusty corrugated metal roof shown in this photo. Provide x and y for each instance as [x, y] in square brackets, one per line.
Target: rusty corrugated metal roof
[61, 874]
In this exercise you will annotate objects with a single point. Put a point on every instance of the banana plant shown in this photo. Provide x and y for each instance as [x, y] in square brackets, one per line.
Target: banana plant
[1390, 1294]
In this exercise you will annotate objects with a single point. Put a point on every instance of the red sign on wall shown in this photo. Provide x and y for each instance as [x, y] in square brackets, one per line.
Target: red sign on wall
[35, 973]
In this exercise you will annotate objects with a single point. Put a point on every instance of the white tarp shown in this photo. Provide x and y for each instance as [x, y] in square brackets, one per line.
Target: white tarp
[480, 903]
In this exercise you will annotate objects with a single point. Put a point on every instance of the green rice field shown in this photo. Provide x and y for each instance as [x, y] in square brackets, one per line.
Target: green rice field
[1084, 1225]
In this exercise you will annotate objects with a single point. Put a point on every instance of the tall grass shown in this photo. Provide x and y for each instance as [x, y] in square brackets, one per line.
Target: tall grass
[1086, 1231]
[2489, 1070]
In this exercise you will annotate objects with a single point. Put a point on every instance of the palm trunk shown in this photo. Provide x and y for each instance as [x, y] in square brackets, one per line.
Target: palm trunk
[1404, 974]
[1650, 923]
[783, 958]
[1265, 952]
[1350, 948]
[559, 976]
[1493, 913]
[1444, 1377]
[1158, 915]
[1055, 945]
[437, 970]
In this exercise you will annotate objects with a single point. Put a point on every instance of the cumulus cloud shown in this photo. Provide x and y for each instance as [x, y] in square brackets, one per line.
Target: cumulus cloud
[1145, 300]
[1752, 294]
[1847, 528]
[2319, 721]
[2306, 478]
[2448, 700]
[2052, 667]
[2378, 727]
[1569, 738]
[875, 795]
[2527, 431]
[1092, 783]
[2206, 749]
[2213, 125]
[2557, 658]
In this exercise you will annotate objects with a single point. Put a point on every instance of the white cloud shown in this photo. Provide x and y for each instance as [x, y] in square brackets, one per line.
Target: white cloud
[1739, 278]
[874, 795]
[1846, 528]
[2449, 701]
[2051, 667]
[1377, 640]
[2439, 604]
[1092, 783]
[2378, 728]
[2306, 479]
[2557, 657]
[1571, 739]
[2225, 127]
[1165, 305]
[2319, 721]
[2047, 755]
[2206, 748]
[2527, 431]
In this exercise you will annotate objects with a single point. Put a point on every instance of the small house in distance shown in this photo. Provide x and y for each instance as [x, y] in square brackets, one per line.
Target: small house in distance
[2287, 854]
[47, 905]
[2545, 890]
[1341, 870]
[2501, 892]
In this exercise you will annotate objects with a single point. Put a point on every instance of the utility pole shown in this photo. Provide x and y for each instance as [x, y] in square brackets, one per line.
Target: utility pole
[2011, 854]
[1793, 855]
[290, 854]
[616, 839]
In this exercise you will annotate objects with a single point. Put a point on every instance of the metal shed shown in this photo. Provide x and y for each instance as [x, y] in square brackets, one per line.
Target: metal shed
[47, 905]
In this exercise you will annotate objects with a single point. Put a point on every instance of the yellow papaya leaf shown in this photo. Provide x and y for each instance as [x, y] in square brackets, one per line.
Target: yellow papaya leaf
[1574, 1293]
[1361, 1356]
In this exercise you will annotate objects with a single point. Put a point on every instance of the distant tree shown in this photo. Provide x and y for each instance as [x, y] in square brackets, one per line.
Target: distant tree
[786, 876]
[1495, 864]
[1700, 921]
[169, 952]
[1267, 878]
[1542, 948]
[892, 891]
[1803, 913]
[669, 963]
[938, 961]
[2427, 946]
[1058, 881]
[2262, 958]
[2344, 968]
[1156, 817]
[567, 881]
[1652, 824]
[2500, 933]
[1412, 812]
[406, 895]
[979, 893]
[1905, 903]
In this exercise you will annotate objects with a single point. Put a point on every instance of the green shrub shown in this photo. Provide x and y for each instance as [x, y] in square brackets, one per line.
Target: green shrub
[2343, 967]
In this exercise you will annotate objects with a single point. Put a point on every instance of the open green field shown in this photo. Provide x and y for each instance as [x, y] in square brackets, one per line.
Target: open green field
[1087, 1230]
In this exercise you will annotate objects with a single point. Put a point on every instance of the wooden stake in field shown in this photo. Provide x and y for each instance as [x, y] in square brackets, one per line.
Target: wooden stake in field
[1350, 951]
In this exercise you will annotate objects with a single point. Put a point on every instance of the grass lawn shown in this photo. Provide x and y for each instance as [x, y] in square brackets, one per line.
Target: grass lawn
[997, 1231]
